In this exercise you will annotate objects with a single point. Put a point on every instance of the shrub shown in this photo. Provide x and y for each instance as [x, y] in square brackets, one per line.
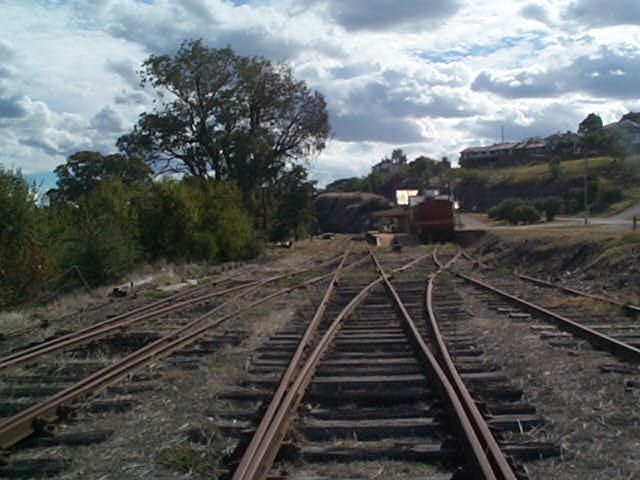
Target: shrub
[551, 206]
[504, 209]
[99, 234]
[609, 194]
[515, 210]
[25, 260]
[194, 219]
[525, 213]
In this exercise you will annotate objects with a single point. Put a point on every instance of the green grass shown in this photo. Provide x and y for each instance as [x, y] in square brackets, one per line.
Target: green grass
[156, 293]
[568, 168]
[499, 272]
[185, 459]
[628, 239]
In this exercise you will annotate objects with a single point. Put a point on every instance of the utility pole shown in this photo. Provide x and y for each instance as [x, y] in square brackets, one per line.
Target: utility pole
[501, 133]
[586, 195]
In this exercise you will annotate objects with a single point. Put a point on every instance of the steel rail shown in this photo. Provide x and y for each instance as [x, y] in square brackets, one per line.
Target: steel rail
[483, 453]
[594, 337]
[287, 376]
[499, 463]
[22, 425]
[575, 291]
[279, 425]
[260, 458]
[116, 324]
[103, 329]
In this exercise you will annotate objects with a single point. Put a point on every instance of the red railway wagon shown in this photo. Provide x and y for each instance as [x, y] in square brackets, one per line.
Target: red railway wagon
[432, 219]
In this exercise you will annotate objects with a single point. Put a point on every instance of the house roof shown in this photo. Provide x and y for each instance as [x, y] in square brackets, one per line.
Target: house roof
[497, 147]
[625, 124]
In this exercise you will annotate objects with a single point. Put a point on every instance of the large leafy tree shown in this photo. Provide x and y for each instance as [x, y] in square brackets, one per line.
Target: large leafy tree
[224, 116]
[84, 170]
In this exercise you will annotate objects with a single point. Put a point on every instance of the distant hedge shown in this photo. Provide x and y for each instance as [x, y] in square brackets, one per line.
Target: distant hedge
[515, 210]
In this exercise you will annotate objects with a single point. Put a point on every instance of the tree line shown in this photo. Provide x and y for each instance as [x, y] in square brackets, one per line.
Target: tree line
[420, 173]
[217, 169]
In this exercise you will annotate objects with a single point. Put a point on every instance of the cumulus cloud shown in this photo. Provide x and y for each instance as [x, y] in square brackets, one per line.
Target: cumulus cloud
[533, 11]
[354, 127]
[385, 14]
[526, 121]
[599, 14]
[12, 108]
[125, 69]
[130, 98]
[608, 74]
[390, 75]
[108, 120]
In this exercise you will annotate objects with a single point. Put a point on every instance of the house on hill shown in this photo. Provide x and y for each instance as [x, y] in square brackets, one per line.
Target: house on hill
[385, 166]
[504, 154]
[631, 128]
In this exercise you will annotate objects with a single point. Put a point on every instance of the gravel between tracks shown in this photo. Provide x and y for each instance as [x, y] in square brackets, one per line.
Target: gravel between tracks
[168, 434]
[590, 413]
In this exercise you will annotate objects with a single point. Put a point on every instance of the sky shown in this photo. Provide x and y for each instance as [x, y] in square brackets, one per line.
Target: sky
[431, 77]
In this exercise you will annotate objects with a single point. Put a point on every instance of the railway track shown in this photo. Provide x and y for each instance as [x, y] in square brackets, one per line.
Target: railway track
[37, 393]
[572, 350]
[606, 328]
[360, 381]
[383, 370]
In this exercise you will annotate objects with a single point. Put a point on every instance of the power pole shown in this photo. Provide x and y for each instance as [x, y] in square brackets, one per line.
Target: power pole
[586, 188]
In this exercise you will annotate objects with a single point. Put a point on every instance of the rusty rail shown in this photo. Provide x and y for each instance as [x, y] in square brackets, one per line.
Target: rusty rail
[600, 340]
[264, 446]
[118, 323]
[260, 454]
[285, 380]
[596, 338]
[575, 291]
[24, 423]
[500, 465]
[482, 451]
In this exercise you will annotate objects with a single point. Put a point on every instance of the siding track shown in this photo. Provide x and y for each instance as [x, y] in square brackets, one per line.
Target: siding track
[32, 403]
[361, 382]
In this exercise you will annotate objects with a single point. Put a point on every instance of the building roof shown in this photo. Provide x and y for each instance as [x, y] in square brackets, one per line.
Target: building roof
[497, 147]
[625, 124]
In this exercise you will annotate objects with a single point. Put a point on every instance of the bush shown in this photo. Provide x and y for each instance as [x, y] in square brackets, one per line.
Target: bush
[555, 170]
[98, 234]
[515, 210]
[504, 209]
[609, 194]
[99, 248]
[576, 196]
[525, 213]
[195, 220]
[25, 261]
[551, 206]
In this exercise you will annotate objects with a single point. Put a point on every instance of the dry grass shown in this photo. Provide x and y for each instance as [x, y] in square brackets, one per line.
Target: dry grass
[585, 304]
[557, 236]
[368, 470]
[536, 172]
[16, 320]
[586, 411]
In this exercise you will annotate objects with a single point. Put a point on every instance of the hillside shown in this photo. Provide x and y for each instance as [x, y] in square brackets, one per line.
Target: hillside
[613, 184]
